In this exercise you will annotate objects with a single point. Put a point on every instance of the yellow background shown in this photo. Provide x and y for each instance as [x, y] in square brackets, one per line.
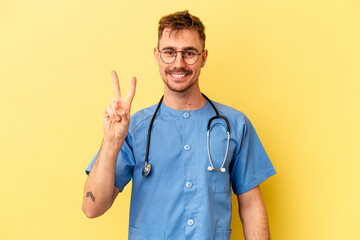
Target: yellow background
[291, 66]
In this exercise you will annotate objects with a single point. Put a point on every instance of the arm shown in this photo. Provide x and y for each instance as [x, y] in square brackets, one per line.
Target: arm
[100, 190]
[253, 215]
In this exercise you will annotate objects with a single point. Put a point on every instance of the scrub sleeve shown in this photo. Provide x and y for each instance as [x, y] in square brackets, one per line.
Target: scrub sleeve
[124, 164]
[251, 166]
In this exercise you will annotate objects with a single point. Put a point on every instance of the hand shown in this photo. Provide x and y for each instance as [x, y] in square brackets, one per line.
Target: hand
[117, 115]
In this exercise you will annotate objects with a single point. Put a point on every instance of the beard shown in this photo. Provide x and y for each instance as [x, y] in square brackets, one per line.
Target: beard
[181, 89]
[175, 88]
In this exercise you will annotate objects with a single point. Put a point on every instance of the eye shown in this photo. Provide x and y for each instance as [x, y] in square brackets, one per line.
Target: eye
[168, 53]
[190, 53]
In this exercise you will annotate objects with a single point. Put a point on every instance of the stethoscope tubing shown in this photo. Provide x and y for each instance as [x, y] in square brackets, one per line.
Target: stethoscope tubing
[147, 167]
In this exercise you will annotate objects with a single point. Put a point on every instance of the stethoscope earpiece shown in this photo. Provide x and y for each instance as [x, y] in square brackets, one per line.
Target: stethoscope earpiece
[214, 169]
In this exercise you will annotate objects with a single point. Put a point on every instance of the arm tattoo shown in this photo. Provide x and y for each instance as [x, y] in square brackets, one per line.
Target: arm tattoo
[90, 194]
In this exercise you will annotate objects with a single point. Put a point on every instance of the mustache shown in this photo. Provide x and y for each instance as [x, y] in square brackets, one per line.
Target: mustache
[177, 70]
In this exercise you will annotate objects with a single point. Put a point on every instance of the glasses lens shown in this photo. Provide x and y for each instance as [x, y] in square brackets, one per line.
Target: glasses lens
[168, 55]
[190, 56]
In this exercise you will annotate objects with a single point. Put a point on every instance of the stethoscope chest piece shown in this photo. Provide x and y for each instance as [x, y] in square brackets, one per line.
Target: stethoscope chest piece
[146, 170]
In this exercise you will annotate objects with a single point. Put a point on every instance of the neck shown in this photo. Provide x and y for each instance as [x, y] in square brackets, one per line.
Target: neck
[189, 100]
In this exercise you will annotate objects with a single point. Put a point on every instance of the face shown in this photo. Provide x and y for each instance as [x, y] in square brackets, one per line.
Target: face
[179, 76]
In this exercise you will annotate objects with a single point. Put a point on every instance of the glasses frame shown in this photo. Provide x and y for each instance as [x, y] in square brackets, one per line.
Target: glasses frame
[182, 55]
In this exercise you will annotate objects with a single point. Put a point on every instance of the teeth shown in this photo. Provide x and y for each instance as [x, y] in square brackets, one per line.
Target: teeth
[178, 75]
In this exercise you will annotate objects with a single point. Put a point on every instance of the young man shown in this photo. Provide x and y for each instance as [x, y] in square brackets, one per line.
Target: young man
[183, 170]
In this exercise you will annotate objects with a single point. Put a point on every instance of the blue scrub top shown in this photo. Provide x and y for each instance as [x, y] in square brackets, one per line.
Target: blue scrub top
[181, 199]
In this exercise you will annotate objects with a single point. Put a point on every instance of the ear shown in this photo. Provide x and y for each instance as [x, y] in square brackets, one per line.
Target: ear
[156, 55]
[204, 56]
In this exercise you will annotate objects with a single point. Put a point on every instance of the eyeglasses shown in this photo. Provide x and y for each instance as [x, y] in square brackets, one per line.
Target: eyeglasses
[190, 56]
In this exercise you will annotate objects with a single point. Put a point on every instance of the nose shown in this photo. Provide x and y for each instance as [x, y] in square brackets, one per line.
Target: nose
[179, 61]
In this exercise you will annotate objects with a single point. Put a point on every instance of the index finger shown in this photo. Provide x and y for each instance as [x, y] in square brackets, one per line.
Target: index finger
[117, 92]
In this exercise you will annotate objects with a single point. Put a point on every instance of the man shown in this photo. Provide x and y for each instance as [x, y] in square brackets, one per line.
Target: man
[181, 179]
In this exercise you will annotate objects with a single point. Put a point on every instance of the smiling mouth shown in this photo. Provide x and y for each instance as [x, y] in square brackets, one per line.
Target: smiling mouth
[178, 75]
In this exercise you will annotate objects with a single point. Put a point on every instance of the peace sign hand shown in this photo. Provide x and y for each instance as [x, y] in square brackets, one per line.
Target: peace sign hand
[117, 115]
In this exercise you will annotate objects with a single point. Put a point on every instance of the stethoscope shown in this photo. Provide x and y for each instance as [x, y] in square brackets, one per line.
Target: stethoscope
[147, 168]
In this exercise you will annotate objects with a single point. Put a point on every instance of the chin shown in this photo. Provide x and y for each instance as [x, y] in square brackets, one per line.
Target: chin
[180, 88]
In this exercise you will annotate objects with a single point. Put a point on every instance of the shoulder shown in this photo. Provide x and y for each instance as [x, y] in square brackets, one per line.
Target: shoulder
[231, 113]
[236, 117]
[141, 116]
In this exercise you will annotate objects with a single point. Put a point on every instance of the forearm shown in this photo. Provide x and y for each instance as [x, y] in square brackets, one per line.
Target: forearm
[253, 215]
[255, 224]
[99, 187]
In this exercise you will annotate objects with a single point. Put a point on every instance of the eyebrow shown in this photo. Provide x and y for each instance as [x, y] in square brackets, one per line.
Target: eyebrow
[185, 48]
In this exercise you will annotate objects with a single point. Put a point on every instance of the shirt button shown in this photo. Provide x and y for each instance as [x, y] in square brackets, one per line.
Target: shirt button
[186, 115]
[188, 184]
[190, 222]
[187, 147]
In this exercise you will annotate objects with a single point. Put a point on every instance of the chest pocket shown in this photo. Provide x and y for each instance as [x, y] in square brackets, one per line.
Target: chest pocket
[139, 234]
[219, 182]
